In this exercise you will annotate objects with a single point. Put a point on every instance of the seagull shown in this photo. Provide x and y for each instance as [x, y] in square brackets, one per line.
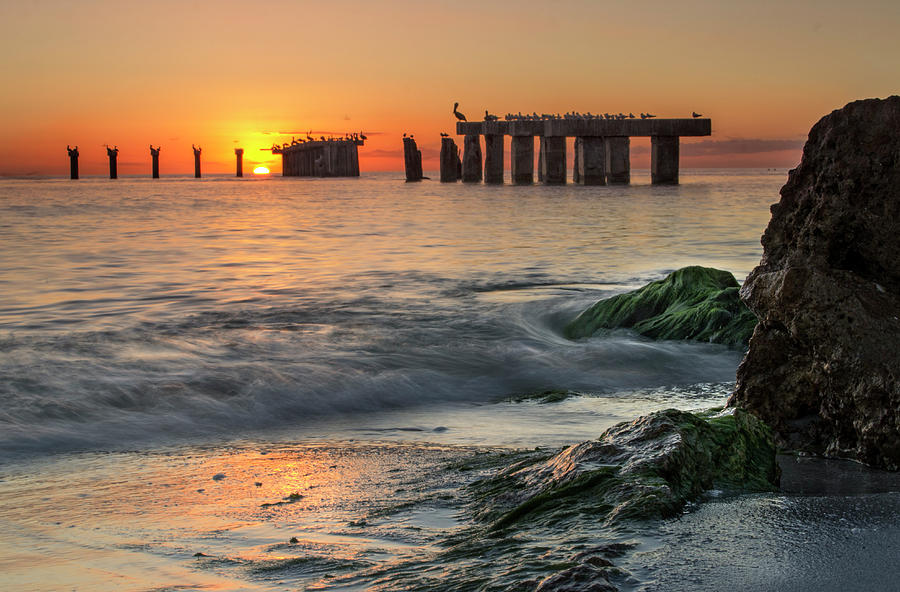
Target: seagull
[459, 115]
[695, 115]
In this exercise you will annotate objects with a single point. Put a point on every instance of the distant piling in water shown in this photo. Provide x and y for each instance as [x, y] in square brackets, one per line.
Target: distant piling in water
[113, 154]
[239, 157]
[471, 165]
[73, 162]
[197, 151]
[154, 156]
[450, 163]
[412, 157]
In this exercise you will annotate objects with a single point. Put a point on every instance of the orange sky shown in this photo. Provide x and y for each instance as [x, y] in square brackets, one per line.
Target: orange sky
[225, 74]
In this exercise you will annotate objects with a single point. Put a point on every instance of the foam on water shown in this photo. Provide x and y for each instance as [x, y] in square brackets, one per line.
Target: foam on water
[139, 311]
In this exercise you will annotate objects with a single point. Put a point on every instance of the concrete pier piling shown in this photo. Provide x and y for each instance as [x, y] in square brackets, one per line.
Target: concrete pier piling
[197, 151]
[154, 157]
[73, 162]
[521, 159]
[449, 161]
[553, 160]
[412, 158]
[493, 158]
[664, 160]
[618, 161]
[602, 147]
[113, 154]
[239, 162]
[590, 161]
[471, 159]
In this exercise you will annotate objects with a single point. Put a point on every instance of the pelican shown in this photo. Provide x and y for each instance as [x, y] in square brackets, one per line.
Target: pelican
[695, 115]
[459, 115]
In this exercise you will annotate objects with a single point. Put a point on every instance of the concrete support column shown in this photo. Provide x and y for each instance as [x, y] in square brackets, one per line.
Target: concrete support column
[493, 158]
[73, 162]
[239, 157]
[412, 157]
[553, 160]
[521, 159]
[113, 154]
[577, 168]
[590, 159]
[197, 151]
[449, 161]
[154, 158]
[618, 162]
[664, 160]
[541, 151]
[471, 159]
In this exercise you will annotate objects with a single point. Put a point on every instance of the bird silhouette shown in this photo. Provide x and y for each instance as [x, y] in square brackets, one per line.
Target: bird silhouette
[363, 136]
[695, 115]
[443, 135]
[404, 134]
[459, 115]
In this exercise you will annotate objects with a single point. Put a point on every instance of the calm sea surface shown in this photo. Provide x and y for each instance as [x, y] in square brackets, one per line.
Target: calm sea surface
[273, 383]
[136, 311]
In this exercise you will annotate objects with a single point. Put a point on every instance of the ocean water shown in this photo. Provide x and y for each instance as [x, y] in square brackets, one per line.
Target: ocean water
[194, 371]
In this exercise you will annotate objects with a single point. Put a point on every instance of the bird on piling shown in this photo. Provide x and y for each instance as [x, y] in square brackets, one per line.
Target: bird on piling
[695, 115]
[443, 135]
[650, 116]
[363, 136]
[459, 115]
[404, 134]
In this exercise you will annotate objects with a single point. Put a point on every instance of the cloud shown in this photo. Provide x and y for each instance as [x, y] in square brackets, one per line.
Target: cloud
[731, 146]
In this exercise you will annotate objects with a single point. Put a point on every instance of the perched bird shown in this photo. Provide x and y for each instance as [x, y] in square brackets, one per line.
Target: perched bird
[404, 134]
[443, 135]
[363, 136]
[631, 116]
[695, 115]
[650, 116]
[459, 115]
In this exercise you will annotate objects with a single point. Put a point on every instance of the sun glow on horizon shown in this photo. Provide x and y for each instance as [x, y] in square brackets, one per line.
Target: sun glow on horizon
[261, 170]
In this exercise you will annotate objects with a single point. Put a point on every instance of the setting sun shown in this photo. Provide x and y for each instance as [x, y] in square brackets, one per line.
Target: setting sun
[260, 170]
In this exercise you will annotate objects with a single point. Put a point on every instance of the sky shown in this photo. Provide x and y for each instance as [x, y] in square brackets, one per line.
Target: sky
[223, 74]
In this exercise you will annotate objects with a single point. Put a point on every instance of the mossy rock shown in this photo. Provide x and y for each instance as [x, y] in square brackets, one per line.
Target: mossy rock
[648, 468]
[694, 303]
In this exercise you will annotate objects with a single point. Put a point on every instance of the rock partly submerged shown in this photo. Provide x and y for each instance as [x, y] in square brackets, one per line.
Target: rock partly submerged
[823, 366]
[648, 468]
[694, 303]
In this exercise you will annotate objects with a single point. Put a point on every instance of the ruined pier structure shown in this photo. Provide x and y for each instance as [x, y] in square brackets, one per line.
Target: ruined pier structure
[601, 148]
[328, 158]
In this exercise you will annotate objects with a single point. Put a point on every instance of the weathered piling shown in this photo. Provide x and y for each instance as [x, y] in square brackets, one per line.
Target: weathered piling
[664, 160]
[590, 161]
[412, 158]
[618, 162]
[449, 161]
[521, 159]
[553, 170]
[239, 158]
[73, 162]
[154, 157]
[471, 172]
[541, 151]
[197, 151]
[113, 154]
[321, 158]
[493, 158]
[576, 164]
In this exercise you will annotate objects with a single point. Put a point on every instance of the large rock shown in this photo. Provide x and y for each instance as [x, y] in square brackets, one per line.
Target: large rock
[696, 303]
[824, 362]
[648, 468]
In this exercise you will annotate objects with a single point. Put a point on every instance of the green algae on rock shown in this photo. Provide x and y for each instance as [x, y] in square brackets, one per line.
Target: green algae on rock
[648, 468]
[696, 303]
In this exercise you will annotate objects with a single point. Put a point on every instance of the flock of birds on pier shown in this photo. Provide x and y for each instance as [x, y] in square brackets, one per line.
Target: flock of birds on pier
[570, 116]
[349, 137]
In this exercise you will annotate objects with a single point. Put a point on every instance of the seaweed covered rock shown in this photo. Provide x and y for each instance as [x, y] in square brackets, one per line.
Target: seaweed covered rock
[648, 468]
[823, 366]
[697, 303]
